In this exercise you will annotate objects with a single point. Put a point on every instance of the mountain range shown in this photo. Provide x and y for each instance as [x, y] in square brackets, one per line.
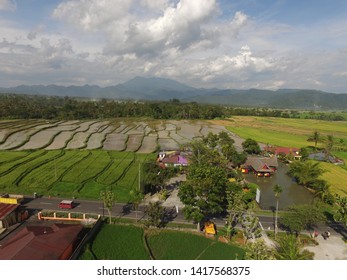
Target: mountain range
[140, 88]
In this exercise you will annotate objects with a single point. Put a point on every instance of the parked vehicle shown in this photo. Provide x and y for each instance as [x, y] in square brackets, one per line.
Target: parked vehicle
[66, 204]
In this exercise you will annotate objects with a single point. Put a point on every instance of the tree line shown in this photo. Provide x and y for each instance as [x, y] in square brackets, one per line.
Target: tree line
[48, 107]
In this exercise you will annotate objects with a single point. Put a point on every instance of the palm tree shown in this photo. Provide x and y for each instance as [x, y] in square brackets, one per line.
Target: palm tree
[322, 189]
[290, 248]
[315, 137]
[277, 189]
[306, 172]
[108, 198]
[329, 145]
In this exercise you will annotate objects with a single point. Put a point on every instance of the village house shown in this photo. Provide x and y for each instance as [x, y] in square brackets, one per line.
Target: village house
[172, 159]
[8, 215]
[10, 211]
[261, 166]
[41, 242]
[281, 152]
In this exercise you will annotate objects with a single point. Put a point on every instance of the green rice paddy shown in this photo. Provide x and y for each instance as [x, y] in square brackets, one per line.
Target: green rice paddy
[68, 173]
[125, 242]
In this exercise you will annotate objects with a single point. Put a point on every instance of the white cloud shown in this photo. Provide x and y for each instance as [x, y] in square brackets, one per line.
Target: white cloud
[8, 5]
[92, 15]
[155, 5]
[194, 41]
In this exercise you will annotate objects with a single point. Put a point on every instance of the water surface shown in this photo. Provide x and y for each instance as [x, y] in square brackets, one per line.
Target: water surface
[292, 192]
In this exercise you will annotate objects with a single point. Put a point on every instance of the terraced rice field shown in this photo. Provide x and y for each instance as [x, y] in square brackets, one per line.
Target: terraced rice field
[81, 158]
[68, 173]
[111, 135]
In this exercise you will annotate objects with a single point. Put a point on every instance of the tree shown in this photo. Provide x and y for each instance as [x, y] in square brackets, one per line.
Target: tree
[236, 206]
[258, 251]
[251, 146]
[203, 193]
[340, 214]
[250, 225]
[305, 172]
[322, 189]
[155, 176]
[136, 197]
[315, 137]
[211, 140]
[277, 189]
[225, 139]
[108, 199]
[289, 248]
[155, 213]
[300, 217]
[329, 143]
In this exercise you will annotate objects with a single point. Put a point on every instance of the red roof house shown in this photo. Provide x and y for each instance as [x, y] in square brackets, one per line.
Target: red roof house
[52, 242]
[8, 214]
[260, 165]
[286, 151]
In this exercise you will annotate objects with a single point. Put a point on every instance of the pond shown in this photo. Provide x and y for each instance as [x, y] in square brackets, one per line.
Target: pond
[292, 192]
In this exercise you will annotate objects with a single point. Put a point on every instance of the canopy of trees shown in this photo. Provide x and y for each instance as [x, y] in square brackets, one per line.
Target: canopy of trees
[48, 107]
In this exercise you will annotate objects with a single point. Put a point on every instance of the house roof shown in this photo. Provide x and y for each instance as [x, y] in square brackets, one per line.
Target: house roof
[263, 164]
[6, 209]
[282, 150]
[40, 242]
[175, 159]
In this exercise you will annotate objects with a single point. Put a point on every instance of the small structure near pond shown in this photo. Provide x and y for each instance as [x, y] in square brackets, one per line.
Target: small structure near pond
[261, 166]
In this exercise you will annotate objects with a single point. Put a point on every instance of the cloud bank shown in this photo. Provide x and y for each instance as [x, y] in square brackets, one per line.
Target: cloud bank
[201, 43]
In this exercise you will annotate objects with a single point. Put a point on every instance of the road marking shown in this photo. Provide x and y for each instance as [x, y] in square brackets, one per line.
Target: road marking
[46, 203]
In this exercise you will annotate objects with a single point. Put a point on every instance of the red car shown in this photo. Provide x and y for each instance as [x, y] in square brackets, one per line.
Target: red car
[66, 204]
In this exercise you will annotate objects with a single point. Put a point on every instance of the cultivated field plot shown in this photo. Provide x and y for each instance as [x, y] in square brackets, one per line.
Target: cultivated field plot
[68, 173]
[284, 132]
[126, 242]
[112, 135]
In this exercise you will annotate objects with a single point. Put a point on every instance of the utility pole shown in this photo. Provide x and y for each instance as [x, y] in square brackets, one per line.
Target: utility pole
[55, 168]
[139, 177]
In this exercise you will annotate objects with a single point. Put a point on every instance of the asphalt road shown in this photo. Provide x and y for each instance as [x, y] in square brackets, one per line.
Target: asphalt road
[120, 210]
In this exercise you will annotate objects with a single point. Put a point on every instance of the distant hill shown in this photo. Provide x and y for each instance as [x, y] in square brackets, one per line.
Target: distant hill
[140, 88]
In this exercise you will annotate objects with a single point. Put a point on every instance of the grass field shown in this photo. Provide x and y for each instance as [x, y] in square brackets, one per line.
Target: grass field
[124, 242]
[284, 132]
[294, 133]
[68, 173]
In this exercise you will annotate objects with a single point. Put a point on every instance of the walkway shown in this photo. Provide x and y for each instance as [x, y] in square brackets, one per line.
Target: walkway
[333, 248]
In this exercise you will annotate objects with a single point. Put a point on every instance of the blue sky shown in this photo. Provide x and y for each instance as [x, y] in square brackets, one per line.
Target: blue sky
[265, 44]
